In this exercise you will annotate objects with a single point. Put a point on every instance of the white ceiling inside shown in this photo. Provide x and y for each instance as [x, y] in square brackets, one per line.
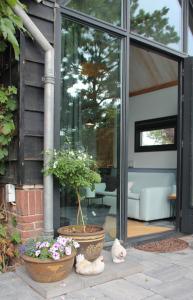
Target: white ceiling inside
[148, 70]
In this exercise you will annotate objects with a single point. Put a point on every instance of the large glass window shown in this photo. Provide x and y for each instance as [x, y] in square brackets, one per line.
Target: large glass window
[106, 10]
[90, 117]
[158, 20]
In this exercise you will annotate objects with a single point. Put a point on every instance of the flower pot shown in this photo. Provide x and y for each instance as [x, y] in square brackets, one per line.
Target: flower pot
[48, 270]
[91, 241]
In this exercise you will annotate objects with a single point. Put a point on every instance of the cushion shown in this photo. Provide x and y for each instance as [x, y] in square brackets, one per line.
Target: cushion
[130, 184]
[111, 182]
[135, 196]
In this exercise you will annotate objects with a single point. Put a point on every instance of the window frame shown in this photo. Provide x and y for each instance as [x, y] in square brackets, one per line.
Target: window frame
[155, 124]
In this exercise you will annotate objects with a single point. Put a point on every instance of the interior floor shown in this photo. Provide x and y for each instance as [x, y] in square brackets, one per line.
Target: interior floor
[139, 228]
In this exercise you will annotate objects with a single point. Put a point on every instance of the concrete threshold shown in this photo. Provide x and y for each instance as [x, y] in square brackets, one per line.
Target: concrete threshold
[75, 282]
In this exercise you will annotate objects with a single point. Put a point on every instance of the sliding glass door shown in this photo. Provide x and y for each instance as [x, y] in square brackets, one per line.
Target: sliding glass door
[90, 118]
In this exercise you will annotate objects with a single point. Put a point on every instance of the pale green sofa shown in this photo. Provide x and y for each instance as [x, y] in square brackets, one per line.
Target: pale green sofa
[148, 198]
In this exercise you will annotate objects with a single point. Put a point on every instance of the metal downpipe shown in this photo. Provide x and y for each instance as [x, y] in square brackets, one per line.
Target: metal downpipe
[48, 112]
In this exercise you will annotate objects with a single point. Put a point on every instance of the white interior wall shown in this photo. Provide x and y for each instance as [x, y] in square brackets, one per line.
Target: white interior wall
[161, 103]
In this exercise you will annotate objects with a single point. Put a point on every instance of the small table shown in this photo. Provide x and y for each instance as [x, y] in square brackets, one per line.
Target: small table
[97, 196]
[172, 199]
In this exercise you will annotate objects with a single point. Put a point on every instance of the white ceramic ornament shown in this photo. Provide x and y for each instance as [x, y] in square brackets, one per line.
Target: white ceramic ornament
[85, 267]
[118, 252]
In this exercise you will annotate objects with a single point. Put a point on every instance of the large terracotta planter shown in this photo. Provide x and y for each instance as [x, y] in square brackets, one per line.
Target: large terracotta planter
[48, 270]
[91, 241]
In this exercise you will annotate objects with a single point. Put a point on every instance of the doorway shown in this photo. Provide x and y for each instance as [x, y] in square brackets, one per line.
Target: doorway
[152, 142]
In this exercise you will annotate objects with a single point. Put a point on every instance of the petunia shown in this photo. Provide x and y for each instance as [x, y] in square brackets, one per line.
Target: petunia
[37, 253]
[76, 244]
[55, 255]
[68, 250]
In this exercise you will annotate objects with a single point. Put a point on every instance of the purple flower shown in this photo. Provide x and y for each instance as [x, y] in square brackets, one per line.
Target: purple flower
[55, 255]
[62, 241]
[56, 246]
[68, 250]
[44, 245]
[22, 249]
[38, 244]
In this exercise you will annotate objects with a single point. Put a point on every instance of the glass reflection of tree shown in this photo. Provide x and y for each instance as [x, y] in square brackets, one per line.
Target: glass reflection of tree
[153, 25]
[91, 77]
[162, 136]
[107, 10]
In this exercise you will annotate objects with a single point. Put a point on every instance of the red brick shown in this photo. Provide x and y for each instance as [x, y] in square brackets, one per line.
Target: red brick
[31, 203]
[22, 202]
[30, 234]
[39, 202]
[39, 225]
[29, 219]
[25, 226]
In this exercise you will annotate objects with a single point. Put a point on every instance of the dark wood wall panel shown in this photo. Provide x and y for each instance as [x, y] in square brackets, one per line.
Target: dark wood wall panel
[32, 94]
[33, 148]
[34, 98]
[33, 123]
[45, 27]
[11, 175]
[42, 12]
[32, 172]
[33, 52]
[33, 73]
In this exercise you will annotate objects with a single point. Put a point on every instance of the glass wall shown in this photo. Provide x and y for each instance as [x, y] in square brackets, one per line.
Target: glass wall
[106, 10]
[158, 20]
[190, 30]
[90, 117]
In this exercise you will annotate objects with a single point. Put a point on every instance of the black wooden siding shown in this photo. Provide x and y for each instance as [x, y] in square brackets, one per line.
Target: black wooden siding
[31, 95]
[25, 160]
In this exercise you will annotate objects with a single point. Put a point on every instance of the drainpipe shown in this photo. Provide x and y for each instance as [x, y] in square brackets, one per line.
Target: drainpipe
[48, 112]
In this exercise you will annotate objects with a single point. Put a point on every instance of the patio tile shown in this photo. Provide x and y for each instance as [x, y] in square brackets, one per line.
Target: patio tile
[180, 289]
[143, 280]
[167, 273]
[75, 282]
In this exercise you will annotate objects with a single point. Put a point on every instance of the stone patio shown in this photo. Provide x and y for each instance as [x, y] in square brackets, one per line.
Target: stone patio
[77, 282]
[144, 276]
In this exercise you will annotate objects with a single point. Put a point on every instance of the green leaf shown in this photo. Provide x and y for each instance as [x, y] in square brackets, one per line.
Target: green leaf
[7, 128]
[15, 237]
[3, 233]
[12, 3]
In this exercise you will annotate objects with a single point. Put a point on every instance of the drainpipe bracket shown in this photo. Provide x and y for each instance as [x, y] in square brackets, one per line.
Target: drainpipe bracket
[48, 79]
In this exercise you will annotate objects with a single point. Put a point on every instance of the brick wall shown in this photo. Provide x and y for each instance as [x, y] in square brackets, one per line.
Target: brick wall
[28, 211]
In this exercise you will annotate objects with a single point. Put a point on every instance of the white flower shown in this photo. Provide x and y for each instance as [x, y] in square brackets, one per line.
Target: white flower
[37, 253]
[55, 164]
[68, 250]
[76, 244]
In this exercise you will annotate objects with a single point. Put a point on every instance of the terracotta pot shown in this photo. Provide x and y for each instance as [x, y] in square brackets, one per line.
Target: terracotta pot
[91, 241]
[48, 270]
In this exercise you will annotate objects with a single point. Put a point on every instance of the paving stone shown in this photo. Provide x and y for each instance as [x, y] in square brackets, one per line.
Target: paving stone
[143, 280]
[13, 288]
[122, 289]
[75, 282]
[181, 289]
[167, 273]
[144, 276]
[156, 297]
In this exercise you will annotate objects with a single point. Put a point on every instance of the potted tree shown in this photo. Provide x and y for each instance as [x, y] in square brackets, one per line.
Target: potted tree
[49, 260]
[77, 170]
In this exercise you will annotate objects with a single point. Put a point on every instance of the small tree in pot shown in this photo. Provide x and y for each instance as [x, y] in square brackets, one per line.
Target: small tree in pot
[77, 170]
[74, 169]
